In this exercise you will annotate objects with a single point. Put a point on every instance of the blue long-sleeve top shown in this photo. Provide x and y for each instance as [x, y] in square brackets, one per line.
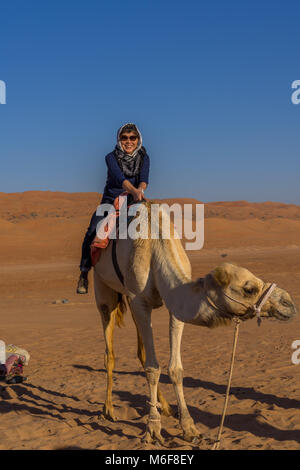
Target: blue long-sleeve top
[115, 177]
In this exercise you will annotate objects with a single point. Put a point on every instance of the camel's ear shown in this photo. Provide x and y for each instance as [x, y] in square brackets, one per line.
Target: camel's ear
[222, 276]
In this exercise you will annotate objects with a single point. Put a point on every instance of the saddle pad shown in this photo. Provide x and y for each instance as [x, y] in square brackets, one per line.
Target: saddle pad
[110, 224]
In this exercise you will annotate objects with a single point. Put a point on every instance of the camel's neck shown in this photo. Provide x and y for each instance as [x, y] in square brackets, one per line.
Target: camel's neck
[189, 304]
[184, 298]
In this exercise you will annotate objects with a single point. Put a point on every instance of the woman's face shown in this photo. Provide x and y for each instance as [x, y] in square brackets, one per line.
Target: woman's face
[129, 141]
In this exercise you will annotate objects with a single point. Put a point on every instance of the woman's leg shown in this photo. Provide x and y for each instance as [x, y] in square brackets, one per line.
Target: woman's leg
[86, 262]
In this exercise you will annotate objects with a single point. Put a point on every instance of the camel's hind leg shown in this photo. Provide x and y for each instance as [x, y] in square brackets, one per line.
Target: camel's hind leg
[109, 361]
[166, 409]
[107, 303]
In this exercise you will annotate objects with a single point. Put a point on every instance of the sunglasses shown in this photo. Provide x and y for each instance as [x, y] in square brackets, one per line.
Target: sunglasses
[124, 138]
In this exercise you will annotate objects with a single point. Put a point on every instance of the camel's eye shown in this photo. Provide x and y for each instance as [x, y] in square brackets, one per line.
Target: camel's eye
[250, 290]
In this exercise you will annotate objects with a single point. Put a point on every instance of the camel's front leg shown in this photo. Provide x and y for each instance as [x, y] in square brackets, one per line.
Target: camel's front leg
[190, 432]
[165, 407]
[142, 316]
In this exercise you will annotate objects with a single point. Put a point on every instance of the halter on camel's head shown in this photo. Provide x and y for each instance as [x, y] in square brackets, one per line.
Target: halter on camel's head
[236, 293]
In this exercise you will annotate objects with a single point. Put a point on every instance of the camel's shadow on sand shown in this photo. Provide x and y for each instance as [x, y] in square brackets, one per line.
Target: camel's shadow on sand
[236, 422]
[241, 393]
[30, 400]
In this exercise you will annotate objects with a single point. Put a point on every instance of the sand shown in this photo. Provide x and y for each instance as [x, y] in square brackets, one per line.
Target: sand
[60, 404]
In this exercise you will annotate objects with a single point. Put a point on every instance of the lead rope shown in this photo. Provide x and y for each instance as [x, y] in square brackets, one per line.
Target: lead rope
[236, 334]
[257, 309]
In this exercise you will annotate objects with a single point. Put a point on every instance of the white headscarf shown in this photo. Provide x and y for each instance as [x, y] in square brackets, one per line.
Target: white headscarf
[140, 143]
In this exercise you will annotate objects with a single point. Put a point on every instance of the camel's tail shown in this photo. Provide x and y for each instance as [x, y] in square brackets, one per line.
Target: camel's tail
[120, 311]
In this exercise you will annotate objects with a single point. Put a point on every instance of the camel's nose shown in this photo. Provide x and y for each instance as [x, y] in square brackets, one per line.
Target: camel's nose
[286, 308]
[295, 310]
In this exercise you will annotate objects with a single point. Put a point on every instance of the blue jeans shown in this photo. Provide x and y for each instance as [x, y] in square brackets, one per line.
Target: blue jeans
[86, 261]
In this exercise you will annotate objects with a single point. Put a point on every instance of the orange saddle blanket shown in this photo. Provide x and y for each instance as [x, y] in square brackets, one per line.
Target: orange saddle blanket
[110, 223]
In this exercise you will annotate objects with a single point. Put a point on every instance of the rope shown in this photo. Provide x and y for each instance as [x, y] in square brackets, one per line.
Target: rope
[236, 334]
[154, 405]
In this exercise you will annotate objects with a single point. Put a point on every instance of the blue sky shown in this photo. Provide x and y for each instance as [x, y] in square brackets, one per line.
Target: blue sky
[207, 82]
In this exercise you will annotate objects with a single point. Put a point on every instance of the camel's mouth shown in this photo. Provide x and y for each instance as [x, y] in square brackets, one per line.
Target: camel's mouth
[283, 315]
[281, 307]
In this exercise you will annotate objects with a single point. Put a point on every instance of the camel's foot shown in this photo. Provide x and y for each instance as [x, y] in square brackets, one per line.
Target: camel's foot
[153, 435]
[190, 432]
[108, 412]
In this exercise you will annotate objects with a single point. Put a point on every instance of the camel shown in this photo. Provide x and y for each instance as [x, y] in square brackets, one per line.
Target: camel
[156, 272]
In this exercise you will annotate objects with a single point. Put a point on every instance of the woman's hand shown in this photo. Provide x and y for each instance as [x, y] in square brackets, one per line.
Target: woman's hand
[138, 195]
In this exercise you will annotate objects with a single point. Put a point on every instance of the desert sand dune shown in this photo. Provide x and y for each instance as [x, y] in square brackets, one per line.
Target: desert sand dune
[60, 404]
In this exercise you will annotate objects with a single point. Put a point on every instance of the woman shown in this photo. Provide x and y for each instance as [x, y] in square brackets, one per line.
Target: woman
[127, 170]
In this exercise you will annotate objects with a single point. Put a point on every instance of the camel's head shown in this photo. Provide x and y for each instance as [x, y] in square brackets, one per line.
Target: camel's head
[235, 290]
